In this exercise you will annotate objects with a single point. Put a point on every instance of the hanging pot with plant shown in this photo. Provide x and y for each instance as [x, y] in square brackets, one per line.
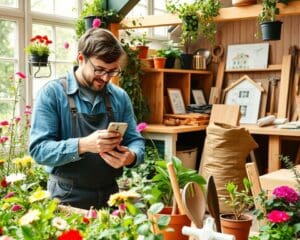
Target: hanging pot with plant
[270, 27]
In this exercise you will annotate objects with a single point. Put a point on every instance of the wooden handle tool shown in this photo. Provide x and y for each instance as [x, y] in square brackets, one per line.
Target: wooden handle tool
[175, 187]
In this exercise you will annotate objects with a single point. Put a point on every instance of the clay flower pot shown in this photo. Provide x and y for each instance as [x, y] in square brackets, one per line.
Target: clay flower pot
[143, 51]
[239, 228]
[159, 62]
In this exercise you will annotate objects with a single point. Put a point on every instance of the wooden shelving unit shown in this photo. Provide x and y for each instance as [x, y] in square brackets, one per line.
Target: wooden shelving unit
[270, 68]
[226, 14]
[155, 83]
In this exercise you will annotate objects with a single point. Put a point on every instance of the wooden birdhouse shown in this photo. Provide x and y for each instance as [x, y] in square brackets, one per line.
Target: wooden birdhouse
[246, 93]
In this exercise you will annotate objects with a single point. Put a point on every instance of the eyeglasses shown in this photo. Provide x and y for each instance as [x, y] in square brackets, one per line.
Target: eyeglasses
[101, 72]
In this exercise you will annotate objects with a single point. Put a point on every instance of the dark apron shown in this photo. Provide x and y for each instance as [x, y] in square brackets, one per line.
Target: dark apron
[89, 181]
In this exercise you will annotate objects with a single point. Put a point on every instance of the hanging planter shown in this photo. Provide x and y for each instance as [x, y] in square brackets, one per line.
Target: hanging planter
[38, 61]
[271, 30]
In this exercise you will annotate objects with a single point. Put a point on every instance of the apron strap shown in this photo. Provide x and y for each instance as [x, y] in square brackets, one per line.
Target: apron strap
[73, 108]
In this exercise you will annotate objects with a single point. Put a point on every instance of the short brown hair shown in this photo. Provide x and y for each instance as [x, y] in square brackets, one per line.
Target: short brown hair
[100, 43]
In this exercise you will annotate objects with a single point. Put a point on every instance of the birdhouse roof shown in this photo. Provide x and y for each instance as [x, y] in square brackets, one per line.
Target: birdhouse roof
[244, 78]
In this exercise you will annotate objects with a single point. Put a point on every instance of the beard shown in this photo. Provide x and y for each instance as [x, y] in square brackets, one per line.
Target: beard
[96, 84]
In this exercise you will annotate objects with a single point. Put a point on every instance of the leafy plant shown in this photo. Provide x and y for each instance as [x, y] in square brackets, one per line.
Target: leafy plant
[140, 40]
[270, 10]
[94, 8]
[239, 201]
[193, 23]
[39, 45]
[161, 188]
[170, 50]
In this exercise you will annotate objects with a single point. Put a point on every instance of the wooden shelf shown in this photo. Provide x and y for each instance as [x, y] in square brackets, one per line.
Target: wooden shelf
[226, 14]
[172, 70]
[271, 68]
[160, 128]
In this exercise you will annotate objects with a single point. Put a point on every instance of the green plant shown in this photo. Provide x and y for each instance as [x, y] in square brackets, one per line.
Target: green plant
[94, 8]
[239, 201]
[193, 23]
[39, 45]
[270, 10]
[161, 188]
[140, 40]
[170, 50]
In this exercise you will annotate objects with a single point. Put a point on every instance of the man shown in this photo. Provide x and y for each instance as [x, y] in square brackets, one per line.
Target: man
[68, 133]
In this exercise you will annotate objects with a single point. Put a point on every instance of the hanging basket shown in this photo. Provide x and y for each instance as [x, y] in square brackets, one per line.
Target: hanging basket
[38, 61]
[271, 30]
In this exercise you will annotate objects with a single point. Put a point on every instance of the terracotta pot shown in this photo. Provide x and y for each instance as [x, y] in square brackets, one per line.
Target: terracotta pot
[143, 51]
[239, 228]
[177, 221]
[159, 62]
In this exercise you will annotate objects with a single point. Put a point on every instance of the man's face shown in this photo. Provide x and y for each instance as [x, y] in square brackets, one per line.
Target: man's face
[96, 73]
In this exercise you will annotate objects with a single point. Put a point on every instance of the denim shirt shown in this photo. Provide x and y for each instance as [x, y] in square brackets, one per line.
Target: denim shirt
[51, 143]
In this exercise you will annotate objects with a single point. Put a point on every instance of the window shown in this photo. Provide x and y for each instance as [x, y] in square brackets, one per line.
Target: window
[57, 7]
[9, 3]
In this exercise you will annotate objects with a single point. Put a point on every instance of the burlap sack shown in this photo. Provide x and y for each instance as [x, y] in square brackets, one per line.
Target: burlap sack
[224, 156]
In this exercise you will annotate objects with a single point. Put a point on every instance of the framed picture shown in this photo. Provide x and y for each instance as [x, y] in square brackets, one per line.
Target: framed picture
[199, 97]
[176, 100]
[247, 56]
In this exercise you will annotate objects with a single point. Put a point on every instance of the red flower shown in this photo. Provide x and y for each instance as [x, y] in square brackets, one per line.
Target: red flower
[16, 208]
[4, 123]
[4, 183]
[1, 231]
[277, 216]
[86, 220]
[70, 235]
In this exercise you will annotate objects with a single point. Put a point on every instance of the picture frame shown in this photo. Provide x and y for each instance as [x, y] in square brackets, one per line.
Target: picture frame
[198, 96]
[176, 100]
[247, 56]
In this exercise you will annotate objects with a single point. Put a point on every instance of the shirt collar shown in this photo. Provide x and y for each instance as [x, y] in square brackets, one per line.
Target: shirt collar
[73, 86]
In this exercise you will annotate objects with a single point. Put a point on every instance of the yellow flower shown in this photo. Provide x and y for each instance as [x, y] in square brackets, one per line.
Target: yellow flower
[5, 206]
[29, 217]
[121, 197]
[23, 162]
[2, 161]
[39, 195]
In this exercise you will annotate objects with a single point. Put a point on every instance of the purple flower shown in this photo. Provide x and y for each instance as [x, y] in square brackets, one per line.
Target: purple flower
[276, 216]
[96, 23]
[141, 126]
[286, 193]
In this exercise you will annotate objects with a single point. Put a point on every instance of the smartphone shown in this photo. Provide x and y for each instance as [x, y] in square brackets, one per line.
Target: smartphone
[117, 127]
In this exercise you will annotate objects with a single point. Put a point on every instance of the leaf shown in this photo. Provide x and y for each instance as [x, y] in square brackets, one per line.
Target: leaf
[156, 208]
[163, 221]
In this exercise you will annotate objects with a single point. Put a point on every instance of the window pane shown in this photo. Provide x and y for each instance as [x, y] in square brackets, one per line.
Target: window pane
[9, 3]
[159, 4]
[63, 68]
[60, 7]
[138, 11]
[45, 6]
[8, 38]
[65, 35]
[7, 71]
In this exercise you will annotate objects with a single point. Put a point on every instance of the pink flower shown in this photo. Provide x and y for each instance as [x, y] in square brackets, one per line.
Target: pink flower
[16, 208]
[27, 107]
[122, 207]
[276, 216]
[92, 213]
[116, 213]
[21, 75]
[66, 45]
[141, 126]
[286, 193]
[3, 139]
[9, 195]
[18, 119]
[4, 123]
[27, 112]
[96, 23]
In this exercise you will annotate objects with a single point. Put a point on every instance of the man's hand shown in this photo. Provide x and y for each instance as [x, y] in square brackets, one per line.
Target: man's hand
[99, 141]
[119, 157]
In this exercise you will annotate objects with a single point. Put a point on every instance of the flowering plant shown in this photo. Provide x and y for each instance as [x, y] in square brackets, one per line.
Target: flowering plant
[282, 213]
[39, 45]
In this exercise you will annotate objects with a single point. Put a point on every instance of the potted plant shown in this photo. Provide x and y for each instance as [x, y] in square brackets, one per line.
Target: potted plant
[170, 51]
[194, 24]
[92, 10]
[38, 50]
[238, 223]
[161, 190]
[270, 27]
[140, 41]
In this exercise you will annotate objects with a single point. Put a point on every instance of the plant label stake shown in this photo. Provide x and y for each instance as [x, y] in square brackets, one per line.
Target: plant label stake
[207, 232]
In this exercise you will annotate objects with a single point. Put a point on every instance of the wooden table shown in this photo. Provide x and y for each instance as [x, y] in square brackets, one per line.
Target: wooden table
[169, 135]
[275, 137]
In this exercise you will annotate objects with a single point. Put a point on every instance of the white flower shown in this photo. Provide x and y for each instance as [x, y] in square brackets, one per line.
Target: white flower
[15, 177]
[29, 217]
[60, 223]
[39, 195]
